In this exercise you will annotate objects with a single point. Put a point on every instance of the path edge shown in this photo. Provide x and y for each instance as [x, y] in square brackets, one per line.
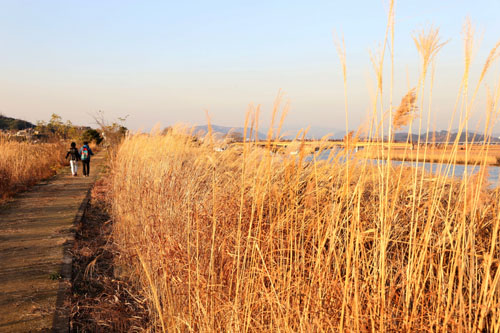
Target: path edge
[61, 319]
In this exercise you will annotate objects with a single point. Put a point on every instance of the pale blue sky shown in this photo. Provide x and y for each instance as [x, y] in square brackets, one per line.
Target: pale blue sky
[168, 61]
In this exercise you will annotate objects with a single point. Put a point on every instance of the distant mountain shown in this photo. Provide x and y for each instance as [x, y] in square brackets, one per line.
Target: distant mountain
[224, 130]
[7, 123]
[286, 133]
[441, 136]
[314, 132]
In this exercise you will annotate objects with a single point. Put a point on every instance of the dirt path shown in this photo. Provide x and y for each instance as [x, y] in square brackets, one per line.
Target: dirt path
[36, 234]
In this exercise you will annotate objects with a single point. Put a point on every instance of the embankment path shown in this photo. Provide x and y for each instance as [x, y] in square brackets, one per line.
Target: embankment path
[36, 237]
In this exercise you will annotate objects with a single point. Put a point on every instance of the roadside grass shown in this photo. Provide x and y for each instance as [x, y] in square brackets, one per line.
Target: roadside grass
[23, 164]
[101, 301]
[236, 241]
[246, 240]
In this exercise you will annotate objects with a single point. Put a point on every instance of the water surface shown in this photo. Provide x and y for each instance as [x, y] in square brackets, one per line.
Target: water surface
[453, 170]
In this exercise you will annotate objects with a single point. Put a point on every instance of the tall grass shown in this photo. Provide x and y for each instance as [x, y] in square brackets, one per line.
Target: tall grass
[251, 241]
[23, 164]
[245, 240]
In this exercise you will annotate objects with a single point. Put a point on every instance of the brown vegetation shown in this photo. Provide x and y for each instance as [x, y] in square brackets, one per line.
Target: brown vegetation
[224, 241]
[23, 164]
[101, 301]
[404, 113]
[245, 240]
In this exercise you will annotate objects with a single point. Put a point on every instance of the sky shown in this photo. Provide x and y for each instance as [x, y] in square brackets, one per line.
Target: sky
[171, 62]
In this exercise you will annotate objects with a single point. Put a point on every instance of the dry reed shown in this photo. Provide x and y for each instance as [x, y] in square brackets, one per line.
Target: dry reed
[225, 241]
[248, 241]
[23, 164]
[405, 111]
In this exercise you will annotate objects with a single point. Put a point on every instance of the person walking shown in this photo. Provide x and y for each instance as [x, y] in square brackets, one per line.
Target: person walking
[85, 153]
[74, 157]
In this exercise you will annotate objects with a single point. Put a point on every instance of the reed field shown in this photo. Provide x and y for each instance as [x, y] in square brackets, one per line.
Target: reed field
[231, 241]
[23, 164]
[247, 240]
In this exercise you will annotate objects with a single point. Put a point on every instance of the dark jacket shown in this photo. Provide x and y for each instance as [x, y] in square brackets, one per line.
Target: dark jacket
[90, 151]
[73, 154]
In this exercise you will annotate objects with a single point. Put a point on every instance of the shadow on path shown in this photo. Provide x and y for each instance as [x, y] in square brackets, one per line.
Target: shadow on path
[36, 232]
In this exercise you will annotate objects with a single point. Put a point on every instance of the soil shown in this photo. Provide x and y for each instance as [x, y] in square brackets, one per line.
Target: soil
[36, 228]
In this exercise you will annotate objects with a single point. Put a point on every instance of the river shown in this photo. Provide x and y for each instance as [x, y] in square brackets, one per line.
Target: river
[436, 168]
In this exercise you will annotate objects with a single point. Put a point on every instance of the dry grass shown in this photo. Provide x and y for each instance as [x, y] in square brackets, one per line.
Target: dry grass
[224, 241]
[23, 164]
[404, 112]
[101, 301]
[244, 240]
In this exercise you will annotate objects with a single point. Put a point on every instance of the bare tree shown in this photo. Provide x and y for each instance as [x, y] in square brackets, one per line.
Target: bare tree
[112, 133]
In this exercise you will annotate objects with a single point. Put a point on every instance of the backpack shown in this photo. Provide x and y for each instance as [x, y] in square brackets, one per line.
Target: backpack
[85, 154]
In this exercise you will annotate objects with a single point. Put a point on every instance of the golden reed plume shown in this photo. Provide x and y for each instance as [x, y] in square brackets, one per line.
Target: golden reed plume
[406, 110]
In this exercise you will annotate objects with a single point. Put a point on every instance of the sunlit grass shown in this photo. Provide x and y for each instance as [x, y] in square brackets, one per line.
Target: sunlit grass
[23, 164]
[254, 241]
[249, 240]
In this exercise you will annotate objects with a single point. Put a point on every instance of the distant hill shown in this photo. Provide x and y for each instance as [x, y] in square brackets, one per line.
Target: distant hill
[224, 130]
[440, 136]
[7, 123]
[316, 133]
[286, 133]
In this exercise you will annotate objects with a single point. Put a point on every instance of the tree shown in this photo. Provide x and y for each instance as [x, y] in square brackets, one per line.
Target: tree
[56, 127]
[112, 133]
[92, 135]
[41, 127]
[166, 130]
[17, 125]
[234, 136]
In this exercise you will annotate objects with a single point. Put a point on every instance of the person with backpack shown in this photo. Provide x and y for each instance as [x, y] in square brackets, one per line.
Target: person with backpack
[85, 153]
[74, 157]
